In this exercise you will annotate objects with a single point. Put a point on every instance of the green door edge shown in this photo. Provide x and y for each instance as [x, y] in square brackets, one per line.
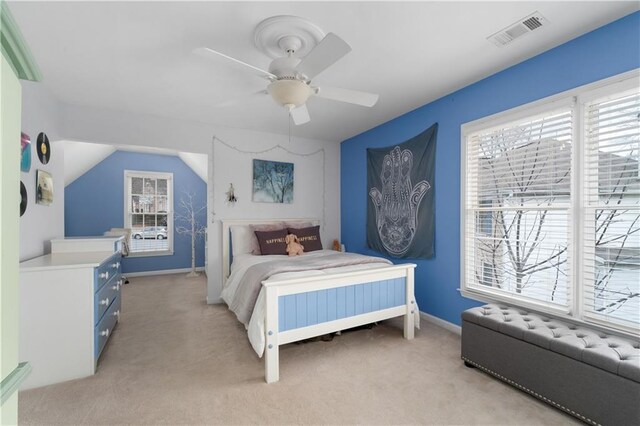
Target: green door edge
[15, 49]
[12, 382]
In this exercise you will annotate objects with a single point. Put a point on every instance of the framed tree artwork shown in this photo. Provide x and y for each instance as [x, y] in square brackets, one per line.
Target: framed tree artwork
[272, 182]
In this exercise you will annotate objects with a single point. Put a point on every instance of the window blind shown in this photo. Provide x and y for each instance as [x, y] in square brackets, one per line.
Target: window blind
[611, 244]
[517, 203]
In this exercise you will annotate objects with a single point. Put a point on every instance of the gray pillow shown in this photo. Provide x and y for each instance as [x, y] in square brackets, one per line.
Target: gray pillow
[272, 242]
[308, 237]
[255, 246]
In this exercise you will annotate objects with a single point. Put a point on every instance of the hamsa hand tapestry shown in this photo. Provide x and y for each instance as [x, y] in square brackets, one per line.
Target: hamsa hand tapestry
[400, 209]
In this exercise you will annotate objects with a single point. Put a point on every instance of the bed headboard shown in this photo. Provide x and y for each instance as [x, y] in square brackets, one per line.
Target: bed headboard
[226, 237]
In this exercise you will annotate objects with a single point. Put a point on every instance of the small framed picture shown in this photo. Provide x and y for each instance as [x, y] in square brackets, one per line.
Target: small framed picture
[44, 188]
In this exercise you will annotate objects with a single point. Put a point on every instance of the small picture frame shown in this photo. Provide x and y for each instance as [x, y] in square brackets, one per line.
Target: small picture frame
[44, 188]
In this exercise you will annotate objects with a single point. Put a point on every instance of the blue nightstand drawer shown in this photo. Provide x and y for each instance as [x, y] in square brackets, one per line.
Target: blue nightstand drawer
[105, 327]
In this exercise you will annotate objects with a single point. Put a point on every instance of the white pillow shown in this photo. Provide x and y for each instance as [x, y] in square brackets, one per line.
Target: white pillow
[244, 240]
[298, 224]
[241, 239]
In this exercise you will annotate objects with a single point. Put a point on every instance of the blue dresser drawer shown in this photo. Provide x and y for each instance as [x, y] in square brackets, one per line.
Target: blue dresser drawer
[114, 264]
[107, 270]
[105, 296]
[105, 327]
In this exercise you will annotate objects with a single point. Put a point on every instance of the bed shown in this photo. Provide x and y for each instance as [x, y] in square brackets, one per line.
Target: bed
[293, 304]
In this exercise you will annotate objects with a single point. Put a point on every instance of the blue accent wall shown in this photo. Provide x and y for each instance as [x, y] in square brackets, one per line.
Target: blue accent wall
[602, 53]
[94, 203]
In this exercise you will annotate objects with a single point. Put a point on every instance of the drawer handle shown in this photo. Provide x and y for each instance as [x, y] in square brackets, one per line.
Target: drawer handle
[105, 302]
[117, 286]
[115, 265]
[117, 314]
[105, 333]
[105, 275]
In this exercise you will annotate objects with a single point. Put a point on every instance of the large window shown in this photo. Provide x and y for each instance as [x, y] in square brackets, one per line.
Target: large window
[551, 205]
[148, 212]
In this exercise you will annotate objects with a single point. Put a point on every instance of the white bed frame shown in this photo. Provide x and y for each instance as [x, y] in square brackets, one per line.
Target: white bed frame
[275, 289]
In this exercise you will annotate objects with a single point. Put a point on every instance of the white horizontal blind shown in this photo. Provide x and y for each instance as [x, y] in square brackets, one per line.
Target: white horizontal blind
[518, 200]
[611, 252]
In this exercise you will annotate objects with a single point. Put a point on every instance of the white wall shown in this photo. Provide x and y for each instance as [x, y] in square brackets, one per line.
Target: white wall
[227, 165]
[316, 185]
[39, 224]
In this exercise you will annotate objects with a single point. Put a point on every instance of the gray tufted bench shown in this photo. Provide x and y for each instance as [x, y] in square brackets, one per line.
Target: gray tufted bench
[592, 375]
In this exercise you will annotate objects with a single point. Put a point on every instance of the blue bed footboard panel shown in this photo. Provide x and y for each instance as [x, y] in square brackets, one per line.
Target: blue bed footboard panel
[315, 307]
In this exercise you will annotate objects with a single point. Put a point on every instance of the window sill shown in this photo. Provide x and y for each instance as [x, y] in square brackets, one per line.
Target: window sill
[546, 310]
[151, 253]
[488, 297]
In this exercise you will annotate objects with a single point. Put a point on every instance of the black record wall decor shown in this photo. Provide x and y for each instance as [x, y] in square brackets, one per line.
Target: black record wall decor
[43, 148]
[23, 198]
[400, 208]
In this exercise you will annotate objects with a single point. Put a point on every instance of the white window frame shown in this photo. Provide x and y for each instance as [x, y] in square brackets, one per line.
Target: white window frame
[577, 97]
[128, 174]
[595, 94]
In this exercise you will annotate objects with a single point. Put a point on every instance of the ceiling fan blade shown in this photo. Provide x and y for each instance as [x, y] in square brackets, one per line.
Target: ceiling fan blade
[347, 95]
[210, 53]
[240, 100]
[300, 115]
[326, 53]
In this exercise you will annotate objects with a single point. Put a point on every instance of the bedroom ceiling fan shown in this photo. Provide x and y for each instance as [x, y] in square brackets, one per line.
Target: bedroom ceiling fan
[300, 51]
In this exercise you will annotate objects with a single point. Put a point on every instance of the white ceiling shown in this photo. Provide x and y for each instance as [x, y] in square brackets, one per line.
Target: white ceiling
[137, 56]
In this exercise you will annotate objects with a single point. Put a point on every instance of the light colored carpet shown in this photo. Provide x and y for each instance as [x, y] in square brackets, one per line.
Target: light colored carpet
[173, 359]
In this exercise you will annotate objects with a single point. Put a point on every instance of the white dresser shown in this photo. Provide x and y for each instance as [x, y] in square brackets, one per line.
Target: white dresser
[69, 305]
[82, 244]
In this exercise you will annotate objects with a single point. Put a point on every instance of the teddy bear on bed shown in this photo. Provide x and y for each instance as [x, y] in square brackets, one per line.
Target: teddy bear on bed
[294, 248]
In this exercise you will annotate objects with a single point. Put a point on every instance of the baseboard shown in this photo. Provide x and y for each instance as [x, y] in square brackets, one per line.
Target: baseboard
[441, 323]
[161, 272]
[214, 301]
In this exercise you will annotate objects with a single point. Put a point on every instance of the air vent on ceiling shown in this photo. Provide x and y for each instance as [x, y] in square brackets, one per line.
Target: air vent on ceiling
[517, 30]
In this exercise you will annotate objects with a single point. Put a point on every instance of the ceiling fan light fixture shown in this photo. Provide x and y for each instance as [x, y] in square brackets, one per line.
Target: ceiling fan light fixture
[289, 93]
[300, 51]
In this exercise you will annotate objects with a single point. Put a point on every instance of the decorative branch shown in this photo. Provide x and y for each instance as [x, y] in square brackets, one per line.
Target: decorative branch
[187, 223]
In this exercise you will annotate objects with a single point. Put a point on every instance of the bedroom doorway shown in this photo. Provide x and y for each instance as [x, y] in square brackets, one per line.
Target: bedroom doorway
[150, 194]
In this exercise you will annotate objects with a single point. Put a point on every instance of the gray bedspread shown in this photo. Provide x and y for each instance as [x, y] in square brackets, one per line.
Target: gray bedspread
[251, 283]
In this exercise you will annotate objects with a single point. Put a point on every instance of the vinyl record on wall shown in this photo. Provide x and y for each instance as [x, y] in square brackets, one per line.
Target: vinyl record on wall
[23, 198]
[43, 148]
